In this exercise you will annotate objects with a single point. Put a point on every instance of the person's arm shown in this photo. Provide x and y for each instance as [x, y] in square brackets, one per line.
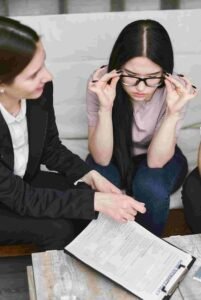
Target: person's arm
[110, 200]
[26, 200]
[121, 208]
[162, 146]
[55, 156]
[81, 203]
[100, 136]
[163, 143]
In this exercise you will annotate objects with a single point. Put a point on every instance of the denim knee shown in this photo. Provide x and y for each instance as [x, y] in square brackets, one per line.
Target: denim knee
[110, 172]
[151, 185]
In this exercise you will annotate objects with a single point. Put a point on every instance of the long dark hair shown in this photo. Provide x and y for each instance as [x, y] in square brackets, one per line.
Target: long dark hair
[17, 48]
[146, 38]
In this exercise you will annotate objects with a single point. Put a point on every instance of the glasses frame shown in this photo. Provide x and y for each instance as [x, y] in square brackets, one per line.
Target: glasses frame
[139, 79]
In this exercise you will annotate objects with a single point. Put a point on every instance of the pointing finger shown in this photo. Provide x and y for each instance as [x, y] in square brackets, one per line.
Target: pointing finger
[139, 206]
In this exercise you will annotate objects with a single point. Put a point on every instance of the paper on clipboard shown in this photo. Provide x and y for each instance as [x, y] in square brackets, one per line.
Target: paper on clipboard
[131, 256]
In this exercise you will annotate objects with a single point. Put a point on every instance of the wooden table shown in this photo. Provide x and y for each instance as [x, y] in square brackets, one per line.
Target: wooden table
[189, 288]
[59, 276]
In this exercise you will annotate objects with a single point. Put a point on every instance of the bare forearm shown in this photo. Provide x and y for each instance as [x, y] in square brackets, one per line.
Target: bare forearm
[162, 146]
[101, 141]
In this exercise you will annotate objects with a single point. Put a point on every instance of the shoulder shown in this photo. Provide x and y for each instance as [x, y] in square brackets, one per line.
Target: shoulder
[46, 99]
[48, 90]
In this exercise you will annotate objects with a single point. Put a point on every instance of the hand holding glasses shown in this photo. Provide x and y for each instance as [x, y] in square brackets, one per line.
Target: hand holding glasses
[104, 85]
[179, 92]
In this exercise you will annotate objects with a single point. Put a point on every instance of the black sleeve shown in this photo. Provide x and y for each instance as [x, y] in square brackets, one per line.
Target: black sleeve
[55, 155]
[24, 199]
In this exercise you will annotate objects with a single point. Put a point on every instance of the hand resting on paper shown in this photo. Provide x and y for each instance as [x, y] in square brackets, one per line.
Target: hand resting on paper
[111, 201]
[121, 208]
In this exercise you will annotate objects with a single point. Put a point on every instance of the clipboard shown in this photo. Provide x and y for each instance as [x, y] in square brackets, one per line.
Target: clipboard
[83, 248]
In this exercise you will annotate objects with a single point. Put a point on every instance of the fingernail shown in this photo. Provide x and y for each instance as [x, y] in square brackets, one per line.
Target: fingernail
[194, 86]
[118, 71]
[166, 74]
[180, 75]
[94, 81]
[103, 66]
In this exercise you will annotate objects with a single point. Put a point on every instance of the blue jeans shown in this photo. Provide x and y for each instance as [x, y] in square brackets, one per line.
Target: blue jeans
[153, 186]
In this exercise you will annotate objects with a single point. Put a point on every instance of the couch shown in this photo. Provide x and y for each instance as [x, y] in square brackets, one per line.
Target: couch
[76, 44]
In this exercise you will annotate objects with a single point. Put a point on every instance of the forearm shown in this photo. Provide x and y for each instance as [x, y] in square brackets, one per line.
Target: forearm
[101, 140]
[56, 156]
[26, 200]
[59, 158]
[162, 146]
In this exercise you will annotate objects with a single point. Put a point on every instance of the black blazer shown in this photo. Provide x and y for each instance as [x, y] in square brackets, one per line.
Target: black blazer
[44, 148]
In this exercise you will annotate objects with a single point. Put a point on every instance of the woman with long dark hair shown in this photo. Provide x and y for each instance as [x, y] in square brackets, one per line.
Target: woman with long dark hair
[135, 108]
[45, 208]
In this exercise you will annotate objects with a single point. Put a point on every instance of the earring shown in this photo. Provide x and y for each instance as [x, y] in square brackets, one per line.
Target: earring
[2, 91]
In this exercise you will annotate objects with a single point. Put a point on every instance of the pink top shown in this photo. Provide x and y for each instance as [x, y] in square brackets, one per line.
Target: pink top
[147, 118]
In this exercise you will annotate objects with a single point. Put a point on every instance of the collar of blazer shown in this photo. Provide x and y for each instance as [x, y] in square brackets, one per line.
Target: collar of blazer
[37, 118]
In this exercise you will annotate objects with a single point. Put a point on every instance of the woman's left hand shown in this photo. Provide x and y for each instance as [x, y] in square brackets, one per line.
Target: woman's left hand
[178, 93]
[100, 183]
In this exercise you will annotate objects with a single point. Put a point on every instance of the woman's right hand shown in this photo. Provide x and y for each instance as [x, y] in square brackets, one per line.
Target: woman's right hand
[105, 87]
[119, 207]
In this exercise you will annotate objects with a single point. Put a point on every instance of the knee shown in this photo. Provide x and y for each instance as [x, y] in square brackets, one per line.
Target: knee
[151, 183]
[110, 172]
[91, 162]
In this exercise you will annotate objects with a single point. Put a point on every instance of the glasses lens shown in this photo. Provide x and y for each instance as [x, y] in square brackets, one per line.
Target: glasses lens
[155, 81]
[127, 80]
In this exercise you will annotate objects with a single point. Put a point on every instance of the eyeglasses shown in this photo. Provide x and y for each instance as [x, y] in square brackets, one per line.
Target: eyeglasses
[129, 80]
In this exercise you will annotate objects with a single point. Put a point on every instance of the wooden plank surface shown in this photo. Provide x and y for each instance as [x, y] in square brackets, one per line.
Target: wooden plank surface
[31, 283]
[59, 276]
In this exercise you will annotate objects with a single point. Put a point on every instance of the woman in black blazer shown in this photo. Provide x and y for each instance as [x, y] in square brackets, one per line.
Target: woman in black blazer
[45, 208]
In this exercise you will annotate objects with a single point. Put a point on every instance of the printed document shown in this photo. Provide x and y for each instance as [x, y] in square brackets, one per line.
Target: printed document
[131, 256]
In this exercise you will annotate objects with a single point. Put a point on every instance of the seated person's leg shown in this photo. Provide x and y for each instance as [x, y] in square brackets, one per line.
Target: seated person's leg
[153, 186]
[45, 233]
[191, 196]
[110, 172]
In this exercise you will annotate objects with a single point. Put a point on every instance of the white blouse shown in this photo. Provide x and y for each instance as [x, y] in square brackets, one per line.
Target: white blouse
[19, 134]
